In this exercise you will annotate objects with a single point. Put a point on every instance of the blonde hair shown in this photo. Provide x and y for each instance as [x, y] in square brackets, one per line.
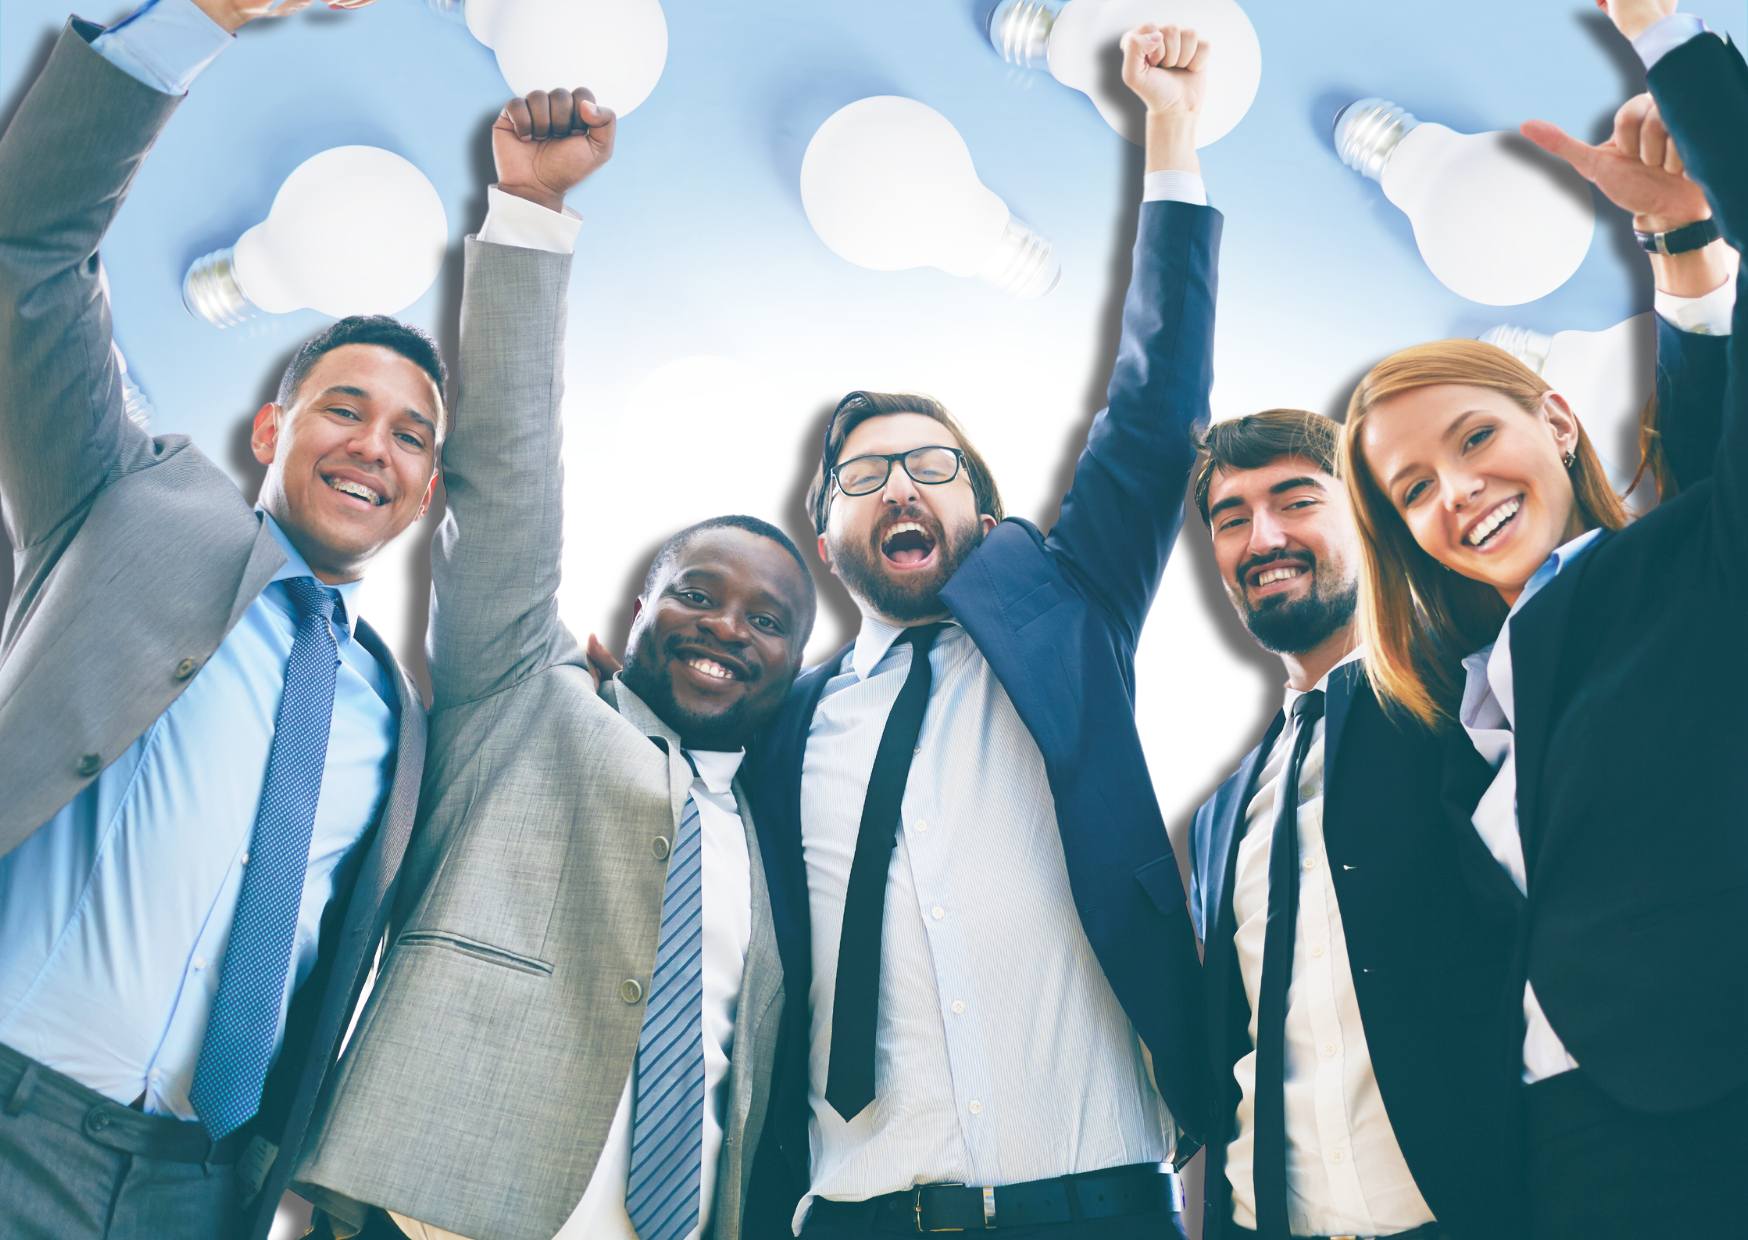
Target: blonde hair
[1418, 619]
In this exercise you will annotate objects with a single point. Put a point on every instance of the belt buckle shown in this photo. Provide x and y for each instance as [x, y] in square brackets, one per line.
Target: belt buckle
[917, 1205]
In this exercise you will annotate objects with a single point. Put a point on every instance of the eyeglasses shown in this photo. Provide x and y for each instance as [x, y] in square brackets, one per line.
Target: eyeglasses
[928, 466]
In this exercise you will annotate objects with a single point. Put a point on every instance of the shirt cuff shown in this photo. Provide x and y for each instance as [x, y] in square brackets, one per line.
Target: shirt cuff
[1660, 38]
[528, 225]
[1703, 316]
[1170, 185]
[163, 44]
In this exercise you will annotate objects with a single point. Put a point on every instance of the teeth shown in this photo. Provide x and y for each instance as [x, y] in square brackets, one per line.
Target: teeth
[905, 527]
[711, 668]
[346, 487]
[1485, 528]
[1279, 574]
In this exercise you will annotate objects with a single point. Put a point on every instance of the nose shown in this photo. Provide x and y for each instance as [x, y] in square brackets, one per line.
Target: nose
[1458, 490]
[727, 625]
[900, 489]
[370, 441]
[1266, 534]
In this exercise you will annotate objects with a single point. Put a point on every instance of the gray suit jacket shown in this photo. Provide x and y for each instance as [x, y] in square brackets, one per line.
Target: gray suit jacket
[478, 1090]
[135, 556]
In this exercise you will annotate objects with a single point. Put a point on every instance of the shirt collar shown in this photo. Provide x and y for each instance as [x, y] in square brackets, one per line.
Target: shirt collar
[1563, 557]
[1293, 695]
[716, 767]
[875, 639]
[296, 566]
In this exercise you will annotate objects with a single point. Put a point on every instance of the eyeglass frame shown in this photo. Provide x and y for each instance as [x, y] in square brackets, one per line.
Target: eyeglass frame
[898, 458]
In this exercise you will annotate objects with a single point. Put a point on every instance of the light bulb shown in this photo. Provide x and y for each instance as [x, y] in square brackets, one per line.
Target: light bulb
[1606, 377]
[1077, 43]
[888, 184]
[1496, 220]
[616, 48]
[354, 230]
[134, 402]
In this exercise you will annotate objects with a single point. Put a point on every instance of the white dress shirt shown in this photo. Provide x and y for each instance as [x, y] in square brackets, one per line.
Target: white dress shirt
[1001, 1052]
[728, 929]
[1488, 715]
[1345, 1170]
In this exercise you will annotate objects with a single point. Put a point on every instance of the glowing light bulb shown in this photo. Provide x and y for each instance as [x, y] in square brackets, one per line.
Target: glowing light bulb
[1496, 220]
[1077, 43]
[1606, 376]
[354, 230]
[616, 48]
[888, 184]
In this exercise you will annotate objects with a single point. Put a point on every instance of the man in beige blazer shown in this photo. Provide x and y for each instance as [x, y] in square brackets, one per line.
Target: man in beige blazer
[583, 970]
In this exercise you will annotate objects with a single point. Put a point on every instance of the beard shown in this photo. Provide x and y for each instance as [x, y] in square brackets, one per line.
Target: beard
[912, 597]
[646, 673]
[1294, 626]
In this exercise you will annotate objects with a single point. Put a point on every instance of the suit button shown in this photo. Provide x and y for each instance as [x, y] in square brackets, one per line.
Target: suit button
[185, 669]
[660, 846]
[88, 766]
[631, 990]
[96, 1121]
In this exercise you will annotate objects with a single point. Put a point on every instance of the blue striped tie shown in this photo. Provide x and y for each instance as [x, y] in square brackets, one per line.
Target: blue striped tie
[667, 1114]
[238, 1048]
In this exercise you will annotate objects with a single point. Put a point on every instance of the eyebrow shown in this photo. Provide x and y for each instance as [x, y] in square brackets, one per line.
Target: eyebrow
[358, 393]
[1279, 488]
[1453, 429]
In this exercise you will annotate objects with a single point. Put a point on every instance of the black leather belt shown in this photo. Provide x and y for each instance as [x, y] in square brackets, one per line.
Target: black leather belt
[1426, 1231]
[27, 1086]
[1141, 1189]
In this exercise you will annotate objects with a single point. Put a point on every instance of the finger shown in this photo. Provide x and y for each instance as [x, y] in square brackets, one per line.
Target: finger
[1628, 124]
[1556, 141]
[1186, 50]
[1653, 141]
[1203, 47]
[1672, 161]
[521, 123]
[540, 116]
[1170, 39]
[596, 118]
[288, 8]
[562, 112]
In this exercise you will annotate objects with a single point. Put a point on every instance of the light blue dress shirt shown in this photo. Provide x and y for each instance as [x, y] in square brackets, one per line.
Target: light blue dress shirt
[115, 914]
[164, 44]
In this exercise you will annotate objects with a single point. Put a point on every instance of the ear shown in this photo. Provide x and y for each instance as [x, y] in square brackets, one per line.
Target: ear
[1561, 420]
[636, 609]
[987, 522]
[264, 433]
[430, 493]
[825, 556]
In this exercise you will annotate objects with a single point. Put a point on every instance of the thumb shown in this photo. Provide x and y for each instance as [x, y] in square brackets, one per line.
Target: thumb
[1556, 141]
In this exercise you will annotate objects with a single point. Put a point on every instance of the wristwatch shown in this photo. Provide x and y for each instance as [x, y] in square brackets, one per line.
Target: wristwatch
[1688, 237]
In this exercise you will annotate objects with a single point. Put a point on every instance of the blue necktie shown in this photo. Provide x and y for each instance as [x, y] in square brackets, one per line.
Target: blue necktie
[238, 1049]
[667, 1114]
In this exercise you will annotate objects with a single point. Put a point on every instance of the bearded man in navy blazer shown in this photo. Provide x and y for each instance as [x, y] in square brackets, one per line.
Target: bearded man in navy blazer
[970, 864]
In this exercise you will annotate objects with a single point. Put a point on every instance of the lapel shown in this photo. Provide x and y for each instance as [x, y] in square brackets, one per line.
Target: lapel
[1347, 684]
[1536, 635]
[631, 708]
[761, 984]
[265, 559]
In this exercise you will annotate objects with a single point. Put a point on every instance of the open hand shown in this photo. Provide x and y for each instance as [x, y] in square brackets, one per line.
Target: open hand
[233, 15]
[1638, 168]
[1165, 67]
[546, 144]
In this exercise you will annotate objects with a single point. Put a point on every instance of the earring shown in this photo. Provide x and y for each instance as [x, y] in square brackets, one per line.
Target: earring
[1568, 459]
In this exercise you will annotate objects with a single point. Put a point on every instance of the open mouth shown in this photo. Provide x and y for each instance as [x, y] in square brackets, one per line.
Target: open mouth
[907, 545]
[1490, 528]
[1279, 575]
[712, 668]
[364, 494]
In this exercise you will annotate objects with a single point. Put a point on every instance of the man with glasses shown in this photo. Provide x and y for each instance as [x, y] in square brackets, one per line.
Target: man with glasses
[997, 922]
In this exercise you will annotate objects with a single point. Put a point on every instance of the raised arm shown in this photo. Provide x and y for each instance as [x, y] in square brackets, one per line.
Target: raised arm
[495, 567]
[1124, 508]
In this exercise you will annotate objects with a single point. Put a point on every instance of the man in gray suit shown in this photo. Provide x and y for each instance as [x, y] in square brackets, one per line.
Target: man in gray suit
[574, 1027]
[210, 764]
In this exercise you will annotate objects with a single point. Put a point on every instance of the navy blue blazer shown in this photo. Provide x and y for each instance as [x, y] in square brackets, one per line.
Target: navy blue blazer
[1057, 616]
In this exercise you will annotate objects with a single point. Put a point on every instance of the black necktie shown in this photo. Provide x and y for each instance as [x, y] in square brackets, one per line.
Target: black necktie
[849, 1081]
[1269, 1167]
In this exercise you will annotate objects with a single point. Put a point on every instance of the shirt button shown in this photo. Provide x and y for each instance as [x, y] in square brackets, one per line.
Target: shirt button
[922, 824]
[958, 1007]
[631, 990]
[1310, 863]
[1317, 951]
[243, 860]
[660, 846]
[1336, 1157]
[185, 669]
[937, 912]
[199, 963]
[88, 766]
[976, 1107]
[1329, 1050]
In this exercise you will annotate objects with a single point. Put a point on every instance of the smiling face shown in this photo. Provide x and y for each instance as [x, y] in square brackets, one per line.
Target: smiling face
[716, 638]
[1478, 480]
[1287, 551]
[352, 459]
[895, 548]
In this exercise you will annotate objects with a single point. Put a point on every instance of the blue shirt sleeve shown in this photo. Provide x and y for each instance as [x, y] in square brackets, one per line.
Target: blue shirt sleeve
[164, 44]
[1656, 41]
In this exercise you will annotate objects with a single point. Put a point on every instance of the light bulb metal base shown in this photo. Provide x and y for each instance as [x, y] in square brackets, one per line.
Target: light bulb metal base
[447, 8]
[211, 291]
[1525, 344]
[1368, 131]
[1020, 31]
[1023, 263]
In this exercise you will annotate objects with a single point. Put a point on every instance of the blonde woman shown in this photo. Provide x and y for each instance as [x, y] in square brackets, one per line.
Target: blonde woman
[1601, 669]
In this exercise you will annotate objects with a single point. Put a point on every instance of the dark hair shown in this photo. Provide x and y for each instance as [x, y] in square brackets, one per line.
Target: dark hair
[857, 408]
[377, 329]
[1260, 439]
[666, 553]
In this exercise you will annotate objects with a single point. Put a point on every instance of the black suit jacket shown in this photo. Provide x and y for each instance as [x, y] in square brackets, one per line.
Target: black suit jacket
[1057, 617]
[1429, 921]
[1631, 677]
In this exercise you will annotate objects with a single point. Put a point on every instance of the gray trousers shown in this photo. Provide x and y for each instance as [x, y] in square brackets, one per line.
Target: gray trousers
[76, 1166]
